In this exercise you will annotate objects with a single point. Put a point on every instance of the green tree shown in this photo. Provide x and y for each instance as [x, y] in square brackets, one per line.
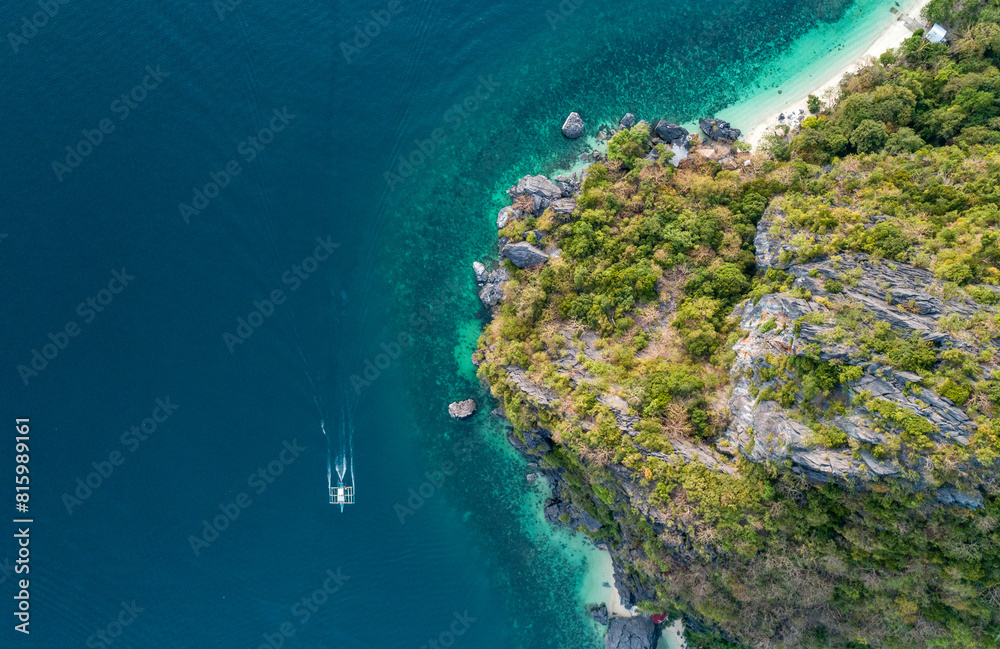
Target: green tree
[869, 136]
[629, 145]
[904, 140]
[814, 104]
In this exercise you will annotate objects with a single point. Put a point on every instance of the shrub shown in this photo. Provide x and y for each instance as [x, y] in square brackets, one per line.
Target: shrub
[833, 286]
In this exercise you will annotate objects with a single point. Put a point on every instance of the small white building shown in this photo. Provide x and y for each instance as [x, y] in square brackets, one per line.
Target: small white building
[935, 34]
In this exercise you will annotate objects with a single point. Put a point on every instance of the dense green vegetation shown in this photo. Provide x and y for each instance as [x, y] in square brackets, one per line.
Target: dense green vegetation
[636, 310]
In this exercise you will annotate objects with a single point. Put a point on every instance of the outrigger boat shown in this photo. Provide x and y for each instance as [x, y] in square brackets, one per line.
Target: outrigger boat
[342, 495]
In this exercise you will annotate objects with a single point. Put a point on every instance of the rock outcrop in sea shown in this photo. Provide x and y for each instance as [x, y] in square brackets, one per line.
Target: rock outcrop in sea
[462, 409]
[573, 126]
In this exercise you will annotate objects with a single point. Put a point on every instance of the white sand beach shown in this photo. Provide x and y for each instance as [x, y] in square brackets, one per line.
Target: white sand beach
[861, 41]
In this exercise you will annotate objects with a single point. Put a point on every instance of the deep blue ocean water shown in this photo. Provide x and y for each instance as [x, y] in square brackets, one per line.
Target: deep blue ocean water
[454, 101]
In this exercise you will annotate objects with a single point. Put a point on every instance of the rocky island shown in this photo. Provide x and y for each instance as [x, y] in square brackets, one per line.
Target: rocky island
[768, 382]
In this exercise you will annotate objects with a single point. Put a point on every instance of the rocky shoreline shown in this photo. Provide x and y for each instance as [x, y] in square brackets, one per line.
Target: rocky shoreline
[797, 322]
[534, 195]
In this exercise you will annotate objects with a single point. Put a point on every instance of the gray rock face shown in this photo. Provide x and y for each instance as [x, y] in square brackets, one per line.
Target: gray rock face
[718, 129]
[462, 409]
[771, 244]
[541, 395]
[629, 585]
[671, 133]
[631, 633]
[492, 292]
[628, 121]
[559, 512]
[600, 614]
[523, 254]
[570, 185]
[564, 206]
[951, 496]
[573, 126]
[765, 431]
[542, 191]
[505, 216]
[480, 271]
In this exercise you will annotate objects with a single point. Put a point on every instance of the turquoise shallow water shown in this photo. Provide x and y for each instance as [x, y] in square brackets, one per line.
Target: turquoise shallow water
[475, 543]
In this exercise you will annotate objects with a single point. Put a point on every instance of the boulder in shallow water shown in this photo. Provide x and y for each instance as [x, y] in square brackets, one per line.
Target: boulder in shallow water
[492, 292]
[480, 272]
[573, 126]
[523, 254]
[462, 409]
[719, 129]
[628, 121]
[631, 633]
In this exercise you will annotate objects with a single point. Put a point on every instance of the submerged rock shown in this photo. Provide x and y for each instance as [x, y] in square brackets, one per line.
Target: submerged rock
[573, 126]
[462, 409]
[719, 129]
[631, 633]
[523, 254]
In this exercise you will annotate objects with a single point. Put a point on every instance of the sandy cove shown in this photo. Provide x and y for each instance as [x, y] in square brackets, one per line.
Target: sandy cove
[891, 38]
